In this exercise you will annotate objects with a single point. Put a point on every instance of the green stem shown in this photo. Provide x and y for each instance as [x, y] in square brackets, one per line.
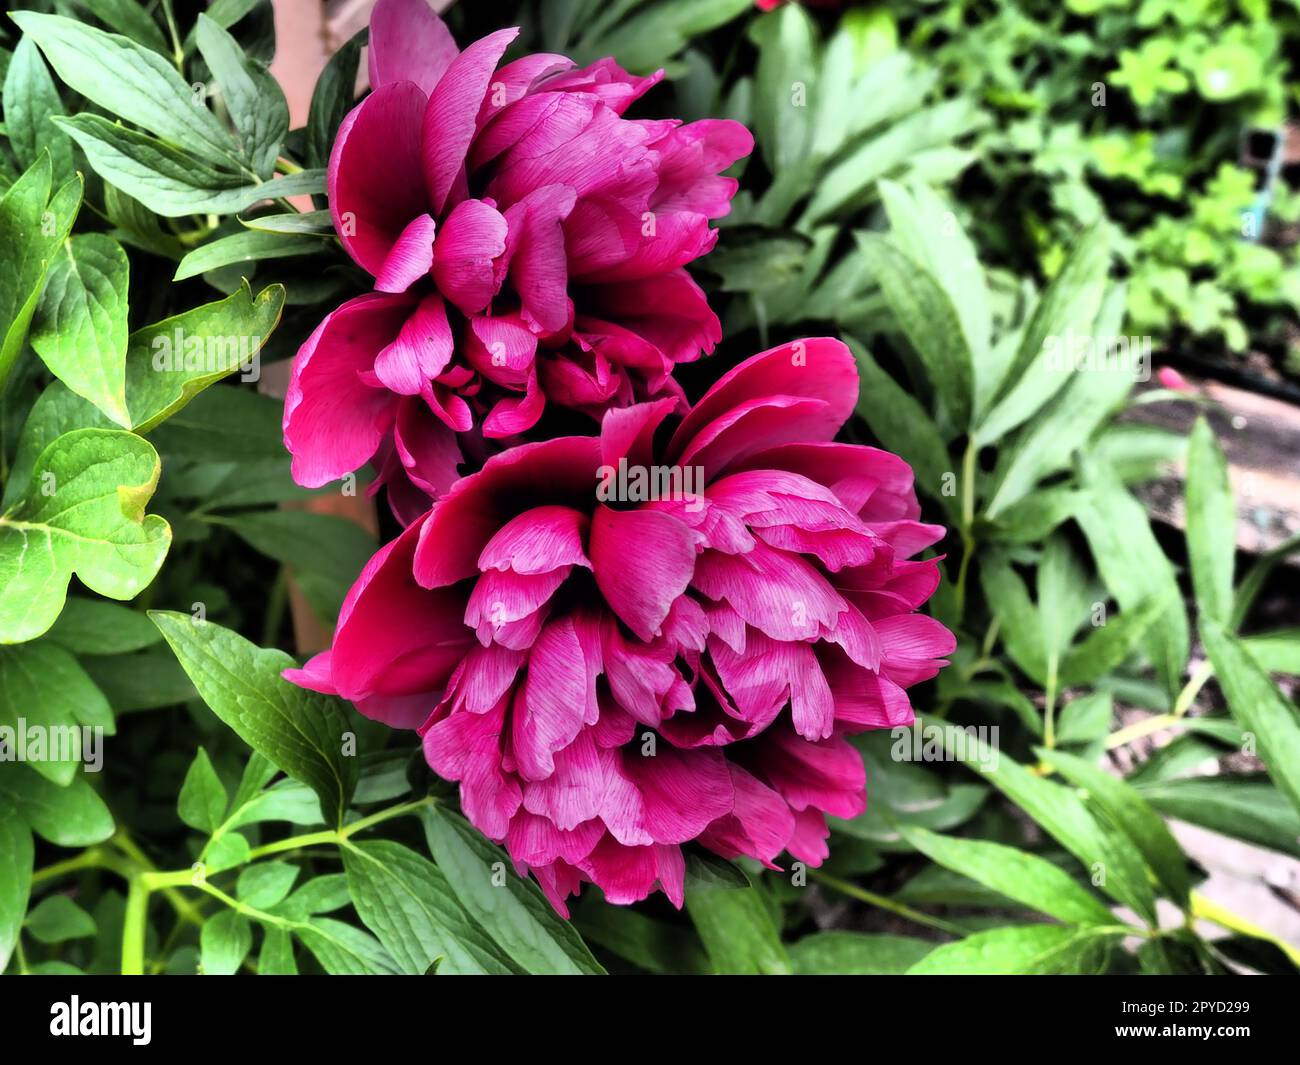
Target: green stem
[1135, 731]
[133, 926]
[1209, 910]
[1193, 688]
[967, 525]
[844, 887]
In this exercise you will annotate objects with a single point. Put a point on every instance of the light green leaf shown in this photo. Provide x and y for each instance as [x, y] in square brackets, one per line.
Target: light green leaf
[1086, 718]
[1104, 851]
[1125, 808]
[1211, 523]
[512, 910]
[80, 326]
[202, 801]
[57, 919]
[856, 954]
[1259, 707]
[1109, 644]
[43, 687]
[15, 877]
[406, 901]
[251, 246]
[165, 179]
[265, 884]
[302, 732]
[1024, 950]
[927, 317]
[72, 816]
[735, 925]
[254, 98]
[171, 361]
[276, 957]
[1243, 807]
[30, 98]
[1017, 874]
[224, 942]
[130, 81]
[343, 950]
[84, 514]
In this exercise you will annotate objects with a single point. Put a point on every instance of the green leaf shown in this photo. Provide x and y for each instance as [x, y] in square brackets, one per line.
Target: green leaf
[856, 954]
[1277, 652]
[1104, 850]
[15, 876]
[1086, 718]
[406, 901]
[1017, 874]
[316, 223]
[343, 950]
[224, 424]
[1135, 569]
[322, 894]
[86, 516]
[80, 326]
[72, 816]
[1109, 644]
[1211, 523]
[171, 361]
[1067, 308]
[30, 99]
[276, 957]
[924, 227]
[1259, 707]
[787, 63]
[129, 19]
[224, 942]
[251, 246]
[902, 425]
[736, 926]
[57, 919]
[653, 945]
[165, 179]
[55, 412]
[265, 884]
[254, 98]
[202, 801]
[926, 315]
[1022, 632]
[1029, 949]
[32, 227]
[1243, 807]
[43, 687]
[130, 81]
[332, 99]
[1125, 808]
[94, 627]
[302, 732]
[512, 910]
[326, 552]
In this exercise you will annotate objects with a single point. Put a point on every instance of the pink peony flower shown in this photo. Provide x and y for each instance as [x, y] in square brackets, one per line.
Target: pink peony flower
[527, 242]
[609, 678]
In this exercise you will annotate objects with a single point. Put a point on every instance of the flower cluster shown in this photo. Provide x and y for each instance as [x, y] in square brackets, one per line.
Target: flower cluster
[619, 643]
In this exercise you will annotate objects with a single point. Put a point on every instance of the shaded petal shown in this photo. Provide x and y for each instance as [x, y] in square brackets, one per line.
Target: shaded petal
[409, 258]
[333, 421]
[375, 180]
[423, 347]
[473, 235]
[643, 560]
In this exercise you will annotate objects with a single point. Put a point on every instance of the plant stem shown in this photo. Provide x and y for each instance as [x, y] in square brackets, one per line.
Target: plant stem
[1209, 910]
[967, 522]
[133, 926]
[844, 887]
[1135, 731]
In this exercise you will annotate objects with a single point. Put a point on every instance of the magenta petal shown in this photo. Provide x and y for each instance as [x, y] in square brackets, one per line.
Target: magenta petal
[643, 560]
[473, 235]
[427, 449]
[538, 541]
[408, 42]
[420, 352]
[538, 264]
[759, 825]
[452, 112]
[554, 699]
[333, 421]
[376, 181]
[409, 258]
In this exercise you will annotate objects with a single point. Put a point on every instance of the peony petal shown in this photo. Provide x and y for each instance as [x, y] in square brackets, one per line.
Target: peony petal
[333, 421]
[473, 235]
[409, 258]
[408, 42]
[643, 560]
[452, 112]
[538, 541]
[375, 180]
[423, 347]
